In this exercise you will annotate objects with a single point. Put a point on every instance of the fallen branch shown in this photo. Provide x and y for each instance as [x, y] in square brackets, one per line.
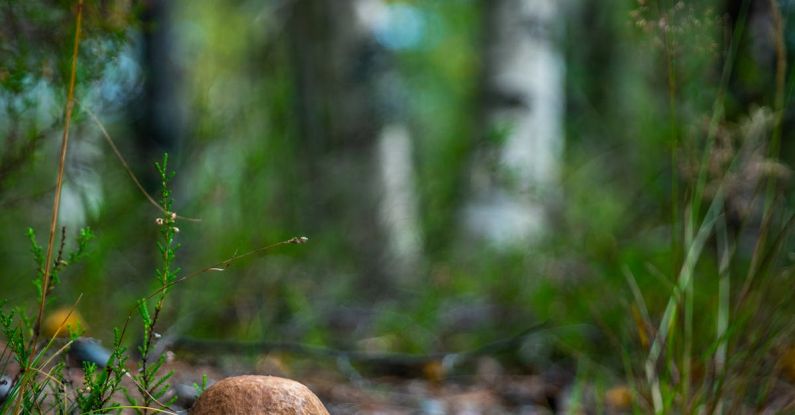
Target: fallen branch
[394, 364]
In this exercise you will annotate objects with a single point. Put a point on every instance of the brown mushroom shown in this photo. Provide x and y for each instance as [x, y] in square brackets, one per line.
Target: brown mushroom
[258, 395]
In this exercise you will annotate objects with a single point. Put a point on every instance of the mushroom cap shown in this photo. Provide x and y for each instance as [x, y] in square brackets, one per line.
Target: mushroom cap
[61, 321]
[258, 395]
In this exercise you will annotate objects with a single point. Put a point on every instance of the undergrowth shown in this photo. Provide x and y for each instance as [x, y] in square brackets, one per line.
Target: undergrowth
[717, 341]
[45, 353]
[711, 335]
[43, 384]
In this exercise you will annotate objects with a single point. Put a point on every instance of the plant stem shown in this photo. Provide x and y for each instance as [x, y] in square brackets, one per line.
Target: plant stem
[781, 77]
[59, 181]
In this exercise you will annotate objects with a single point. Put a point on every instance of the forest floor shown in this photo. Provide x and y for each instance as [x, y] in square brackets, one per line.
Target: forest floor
[487, 390]
[404, 386]
[486, 387]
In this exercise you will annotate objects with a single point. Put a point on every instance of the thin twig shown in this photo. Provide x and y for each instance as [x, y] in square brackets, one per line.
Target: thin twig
[145, 392]
[126, 166]
[59, 181]
[374, 359]
[103, 410]
[220, 266]
[58, 258]
[58, 187]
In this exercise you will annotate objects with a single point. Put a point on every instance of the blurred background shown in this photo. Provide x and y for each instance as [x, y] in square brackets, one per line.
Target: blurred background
[463, 169]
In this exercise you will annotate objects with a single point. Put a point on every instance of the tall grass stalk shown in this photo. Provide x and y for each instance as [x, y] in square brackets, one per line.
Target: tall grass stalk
[683, 294]
[725, 254]
[684, 280]
[69, 106]
[781, 77]
[28, 372]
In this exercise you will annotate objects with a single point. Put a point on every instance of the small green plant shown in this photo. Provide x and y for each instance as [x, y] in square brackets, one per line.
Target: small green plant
[84, 238]
[200, 388]
[100, 385]
[713, 344]
[152, 385]
[20, 330]
[42, 385]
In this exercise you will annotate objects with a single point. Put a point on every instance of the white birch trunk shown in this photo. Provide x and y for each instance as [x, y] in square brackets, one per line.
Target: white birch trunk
[361, 147]
[517, 170]
[399, 207]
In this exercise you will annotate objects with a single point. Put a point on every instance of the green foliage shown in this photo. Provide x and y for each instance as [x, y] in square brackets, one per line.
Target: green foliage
[96, 395]
[84, 237]
[32, 392]
[200, 388]
[667, 119]
[152, 385]
[671, 270]
[34, 70]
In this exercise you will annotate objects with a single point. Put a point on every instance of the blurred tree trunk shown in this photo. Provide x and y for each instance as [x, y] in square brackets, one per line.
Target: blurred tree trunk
[159, 115]
[358, 154]
[516, 162]
[754, 73]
